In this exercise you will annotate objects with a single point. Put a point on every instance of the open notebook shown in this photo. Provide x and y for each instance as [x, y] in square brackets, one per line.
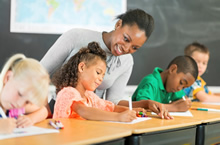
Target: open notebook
[33, 130]
[187, 113]
[138, 119]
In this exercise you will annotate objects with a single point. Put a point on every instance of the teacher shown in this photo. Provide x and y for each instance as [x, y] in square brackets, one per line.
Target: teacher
[132, 30]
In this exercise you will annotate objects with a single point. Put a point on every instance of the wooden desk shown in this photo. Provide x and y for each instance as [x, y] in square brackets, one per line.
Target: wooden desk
[202, 128]
[205, 116]
[181, 130]
[209, 131]
[75, 132]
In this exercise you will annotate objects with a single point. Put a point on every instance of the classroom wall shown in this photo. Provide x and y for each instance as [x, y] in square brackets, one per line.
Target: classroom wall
[177, 23]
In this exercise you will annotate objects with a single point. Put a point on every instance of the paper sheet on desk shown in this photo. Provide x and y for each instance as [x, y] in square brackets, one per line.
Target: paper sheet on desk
[33, 130]
[187, 113]
[139, 119]
[211, 103]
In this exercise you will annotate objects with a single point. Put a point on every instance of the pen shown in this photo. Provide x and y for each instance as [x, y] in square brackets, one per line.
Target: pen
[59, 124]
[130, 103]
[206, 109]
[2, 113]
[184, 98]
[54, 125]
[15, 113]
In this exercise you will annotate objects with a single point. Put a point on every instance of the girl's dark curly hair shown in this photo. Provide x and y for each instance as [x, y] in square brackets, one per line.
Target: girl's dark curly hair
[67, 75]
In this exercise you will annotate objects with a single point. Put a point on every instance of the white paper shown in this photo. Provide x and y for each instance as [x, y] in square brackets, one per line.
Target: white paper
[211, 103]
[139, 119]
[187, 113]
[33, 130]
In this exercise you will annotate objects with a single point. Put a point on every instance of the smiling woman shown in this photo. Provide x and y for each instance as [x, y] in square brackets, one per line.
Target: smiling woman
[132, 30]
[125, 40]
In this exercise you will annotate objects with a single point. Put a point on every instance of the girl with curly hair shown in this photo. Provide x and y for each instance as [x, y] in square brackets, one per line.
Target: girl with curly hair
[76, 82]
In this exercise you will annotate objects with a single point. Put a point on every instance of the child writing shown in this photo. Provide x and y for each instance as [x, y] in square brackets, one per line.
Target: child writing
[75, 83]
[165, 86]
[24, 86]
[199, 90]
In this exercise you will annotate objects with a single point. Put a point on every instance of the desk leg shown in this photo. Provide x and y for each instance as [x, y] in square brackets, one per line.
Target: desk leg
[200, 134]
[133, 140]
[120, 141]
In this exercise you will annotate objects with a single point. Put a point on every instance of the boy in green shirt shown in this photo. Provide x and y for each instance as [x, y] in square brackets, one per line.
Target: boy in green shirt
[166, 86]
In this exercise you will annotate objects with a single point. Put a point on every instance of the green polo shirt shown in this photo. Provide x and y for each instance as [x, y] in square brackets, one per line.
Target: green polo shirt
[151, 88]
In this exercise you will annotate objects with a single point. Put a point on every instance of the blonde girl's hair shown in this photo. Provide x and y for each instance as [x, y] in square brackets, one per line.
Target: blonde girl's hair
[31, 73]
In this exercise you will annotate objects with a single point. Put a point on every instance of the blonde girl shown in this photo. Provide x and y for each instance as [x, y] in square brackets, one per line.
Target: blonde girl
[24, 84]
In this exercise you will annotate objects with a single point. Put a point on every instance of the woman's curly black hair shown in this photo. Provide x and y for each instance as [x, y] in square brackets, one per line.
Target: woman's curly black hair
[67, 75]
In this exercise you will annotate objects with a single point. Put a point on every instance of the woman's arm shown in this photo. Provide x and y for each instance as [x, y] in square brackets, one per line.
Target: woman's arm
[58, 53]
[117, 91]
[91, 113]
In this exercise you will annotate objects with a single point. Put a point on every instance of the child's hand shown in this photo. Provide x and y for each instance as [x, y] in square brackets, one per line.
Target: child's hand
[137, 110]
[159, 109]
[188, 102]
[24, 121]
[127, 116]
[182, 104]
[164, 113]
[7, 125]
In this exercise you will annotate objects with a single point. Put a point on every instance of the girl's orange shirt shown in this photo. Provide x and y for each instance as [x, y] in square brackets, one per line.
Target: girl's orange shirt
[68, 95]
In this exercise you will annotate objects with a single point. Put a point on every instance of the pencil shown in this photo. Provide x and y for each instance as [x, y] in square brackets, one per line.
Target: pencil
[2, 113]
[53, 125]
[206, 109]
[184, 98]
[130, 103]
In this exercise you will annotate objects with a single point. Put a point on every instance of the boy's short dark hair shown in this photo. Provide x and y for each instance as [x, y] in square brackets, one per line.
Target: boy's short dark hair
[195, 46]
[185, 64]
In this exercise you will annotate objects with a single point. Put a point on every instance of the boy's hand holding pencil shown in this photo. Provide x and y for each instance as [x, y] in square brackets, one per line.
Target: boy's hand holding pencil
[183, 104]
